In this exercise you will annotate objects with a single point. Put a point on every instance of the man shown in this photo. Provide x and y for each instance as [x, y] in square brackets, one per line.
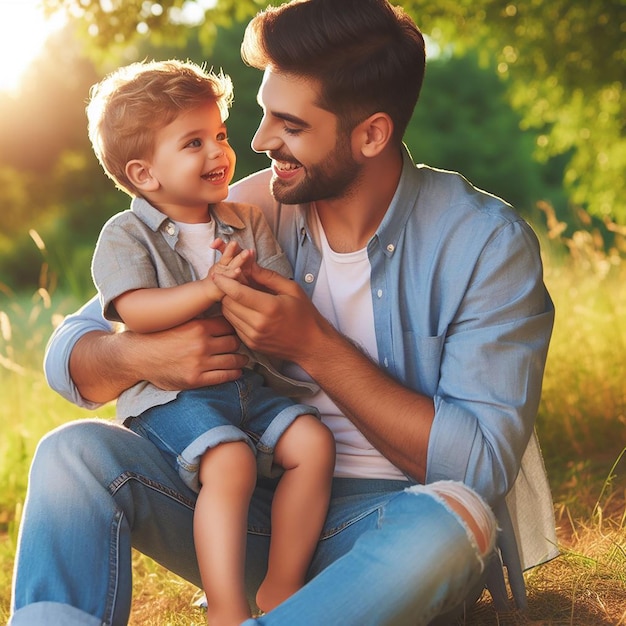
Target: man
[418, 307]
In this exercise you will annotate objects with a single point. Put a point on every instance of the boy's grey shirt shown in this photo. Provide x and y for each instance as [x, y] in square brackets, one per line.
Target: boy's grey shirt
[137, 249]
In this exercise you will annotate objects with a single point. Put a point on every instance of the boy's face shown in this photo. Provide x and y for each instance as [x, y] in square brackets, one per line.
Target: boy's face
[193, 164]
[311, 159]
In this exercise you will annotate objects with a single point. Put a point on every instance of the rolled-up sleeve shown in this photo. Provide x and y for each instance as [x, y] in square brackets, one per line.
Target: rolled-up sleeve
[57, 355]
[492, 367]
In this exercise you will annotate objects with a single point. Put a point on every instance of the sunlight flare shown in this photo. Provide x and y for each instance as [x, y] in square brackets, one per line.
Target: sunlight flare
[23, 32]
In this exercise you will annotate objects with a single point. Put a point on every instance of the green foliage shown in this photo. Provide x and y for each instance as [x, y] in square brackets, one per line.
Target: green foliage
[563, 64]
[48, 115]
[463, 122]
[584, 398]
[111, 26]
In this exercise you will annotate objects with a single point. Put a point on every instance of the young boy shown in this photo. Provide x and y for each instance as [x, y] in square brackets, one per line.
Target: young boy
[158, 130]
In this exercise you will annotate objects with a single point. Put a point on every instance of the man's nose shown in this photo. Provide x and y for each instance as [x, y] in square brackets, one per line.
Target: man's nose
[264, 140]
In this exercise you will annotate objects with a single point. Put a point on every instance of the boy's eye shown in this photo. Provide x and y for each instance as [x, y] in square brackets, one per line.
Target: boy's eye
[194, 143]
[222, 136]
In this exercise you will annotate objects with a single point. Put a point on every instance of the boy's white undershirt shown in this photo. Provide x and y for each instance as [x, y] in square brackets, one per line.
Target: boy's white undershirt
[194, 243]
[343, 296]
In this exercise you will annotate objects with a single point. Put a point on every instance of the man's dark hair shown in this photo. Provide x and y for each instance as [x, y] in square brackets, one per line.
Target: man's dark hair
[367, 55]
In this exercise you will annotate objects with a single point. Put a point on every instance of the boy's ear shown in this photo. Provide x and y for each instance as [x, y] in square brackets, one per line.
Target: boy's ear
[373, 134]
[139, 174]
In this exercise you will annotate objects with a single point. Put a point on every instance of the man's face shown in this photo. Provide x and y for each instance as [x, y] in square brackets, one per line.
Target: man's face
[311, 159]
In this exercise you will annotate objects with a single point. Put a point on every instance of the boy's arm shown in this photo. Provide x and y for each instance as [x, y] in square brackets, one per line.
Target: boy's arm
[154, 309]
[88, 364]
[159, 308]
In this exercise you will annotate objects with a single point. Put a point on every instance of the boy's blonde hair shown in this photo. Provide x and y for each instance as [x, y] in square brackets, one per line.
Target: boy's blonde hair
[131, 104]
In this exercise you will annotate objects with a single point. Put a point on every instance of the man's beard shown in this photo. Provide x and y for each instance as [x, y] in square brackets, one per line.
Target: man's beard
[334, 178]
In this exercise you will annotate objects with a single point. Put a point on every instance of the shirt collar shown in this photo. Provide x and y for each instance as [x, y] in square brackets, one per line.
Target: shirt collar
[154, 219]
[401, 207]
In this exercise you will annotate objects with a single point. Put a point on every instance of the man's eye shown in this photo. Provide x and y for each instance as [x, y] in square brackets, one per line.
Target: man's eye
[292, 131]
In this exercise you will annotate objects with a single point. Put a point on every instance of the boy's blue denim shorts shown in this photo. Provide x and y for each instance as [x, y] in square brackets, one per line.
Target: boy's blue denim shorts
[199, 419]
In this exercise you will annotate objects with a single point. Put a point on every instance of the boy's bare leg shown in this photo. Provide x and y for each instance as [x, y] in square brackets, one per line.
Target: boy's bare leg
[306, 452]
[228, 477]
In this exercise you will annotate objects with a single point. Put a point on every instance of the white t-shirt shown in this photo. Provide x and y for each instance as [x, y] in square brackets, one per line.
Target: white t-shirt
[343, 296]
[194, 243]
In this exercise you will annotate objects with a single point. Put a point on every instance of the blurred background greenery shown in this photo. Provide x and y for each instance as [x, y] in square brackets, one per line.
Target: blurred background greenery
[524, 99]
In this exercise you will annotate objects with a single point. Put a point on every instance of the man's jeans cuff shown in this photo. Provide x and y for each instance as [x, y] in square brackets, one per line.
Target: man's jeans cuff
[46, 613]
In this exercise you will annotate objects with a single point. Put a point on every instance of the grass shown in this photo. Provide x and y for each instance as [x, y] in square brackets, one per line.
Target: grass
[581, 424]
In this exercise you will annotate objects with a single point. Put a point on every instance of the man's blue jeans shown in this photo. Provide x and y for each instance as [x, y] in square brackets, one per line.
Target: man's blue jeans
[387, 555]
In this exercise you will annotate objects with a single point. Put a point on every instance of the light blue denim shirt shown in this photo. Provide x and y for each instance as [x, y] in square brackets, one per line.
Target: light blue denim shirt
[461, 315]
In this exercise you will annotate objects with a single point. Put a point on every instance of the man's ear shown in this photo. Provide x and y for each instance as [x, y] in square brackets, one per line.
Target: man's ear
[139, 174]
[373, 134]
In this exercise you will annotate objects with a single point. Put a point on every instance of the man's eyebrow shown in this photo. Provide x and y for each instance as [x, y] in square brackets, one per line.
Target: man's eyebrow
[292, 119]
[287, 117]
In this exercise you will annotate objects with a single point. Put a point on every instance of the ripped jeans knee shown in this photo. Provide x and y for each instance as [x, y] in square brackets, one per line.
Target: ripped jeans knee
[473, 512]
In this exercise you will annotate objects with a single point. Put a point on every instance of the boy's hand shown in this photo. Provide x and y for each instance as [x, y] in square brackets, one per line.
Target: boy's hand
[234, 262]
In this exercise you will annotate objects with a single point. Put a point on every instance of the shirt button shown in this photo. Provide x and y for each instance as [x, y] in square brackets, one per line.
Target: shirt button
[309, 278]
[386, 362]
[390, 247]
[379, 293]
[170, 229]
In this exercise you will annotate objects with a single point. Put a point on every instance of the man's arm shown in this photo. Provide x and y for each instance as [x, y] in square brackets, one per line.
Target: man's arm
[89, 364]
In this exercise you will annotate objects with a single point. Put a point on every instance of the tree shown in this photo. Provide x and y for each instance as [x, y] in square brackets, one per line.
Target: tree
[463, 122]
[562, 62]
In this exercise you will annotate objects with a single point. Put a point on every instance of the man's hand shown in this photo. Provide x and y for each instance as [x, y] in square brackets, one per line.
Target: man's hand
[198, 353]
[274, 317]
[195, 354]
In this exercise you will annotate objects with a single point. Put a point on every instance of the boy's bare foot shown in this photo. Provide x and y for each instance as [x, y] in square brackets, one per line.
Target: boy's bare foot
[270, 594]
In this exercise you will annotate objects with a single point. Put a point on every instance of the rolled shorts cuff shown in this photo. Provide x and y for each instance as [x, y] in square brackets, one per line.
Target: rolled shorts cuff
[45, 613]
[266, 444]
[189, 459]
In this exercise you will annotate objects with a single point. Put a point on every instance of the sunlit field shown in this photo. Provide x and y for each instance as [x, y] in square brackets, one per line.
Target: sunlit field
[582, 428]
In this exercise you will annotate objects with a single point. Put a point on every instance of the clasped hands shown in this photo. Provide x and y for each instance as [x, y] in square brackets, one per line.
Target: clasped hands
[270, 313]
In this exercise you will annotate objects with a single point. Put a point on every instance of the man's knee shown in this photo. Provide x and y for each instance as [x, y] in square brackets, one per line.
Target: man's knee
[477, 516]
[76, 448]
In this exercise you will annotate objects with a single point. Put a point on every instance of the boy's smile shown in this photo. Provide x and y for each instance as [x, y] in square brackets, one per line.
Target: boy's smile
[192, 165]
